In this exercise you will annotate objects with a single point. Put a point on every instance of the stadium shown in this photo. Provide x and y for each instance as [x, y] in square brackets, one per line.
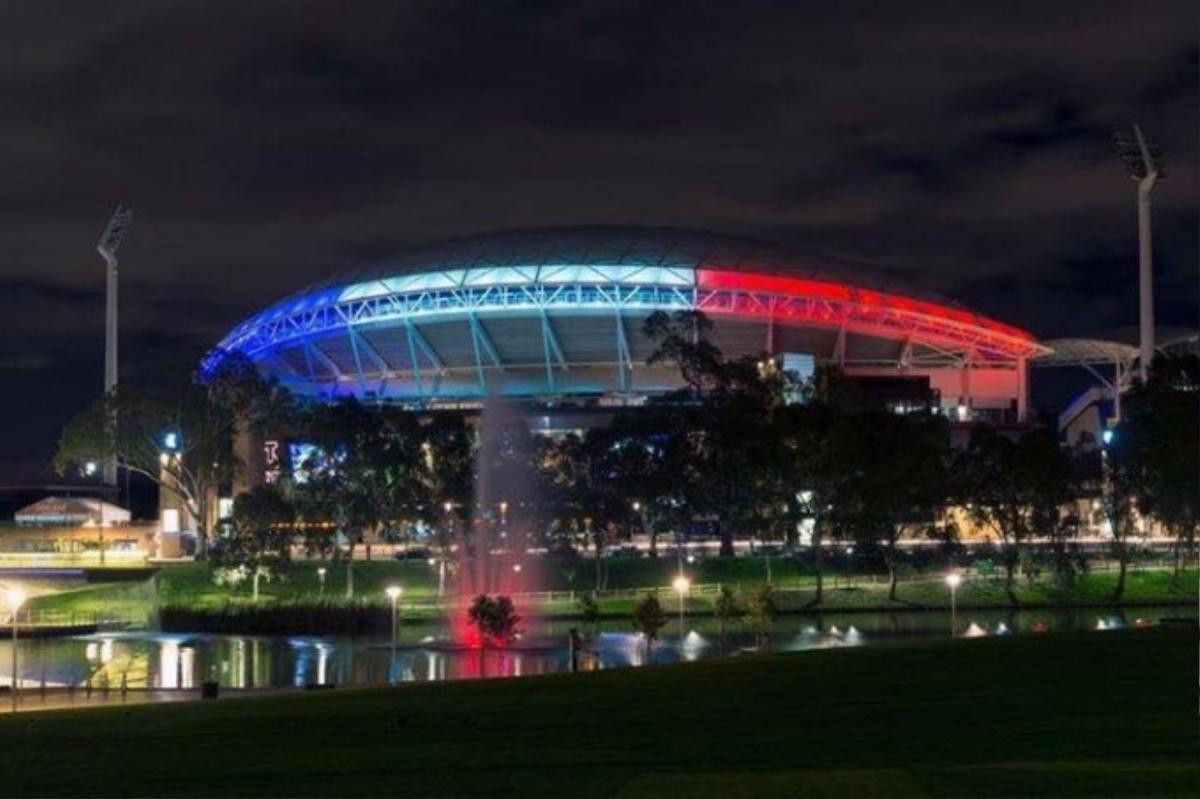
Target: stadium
[556, 316]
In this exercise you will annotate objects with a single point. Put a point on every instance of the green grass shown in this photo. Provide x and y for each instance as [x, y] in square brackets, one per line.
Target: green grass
[190, 586]
[1090, 714]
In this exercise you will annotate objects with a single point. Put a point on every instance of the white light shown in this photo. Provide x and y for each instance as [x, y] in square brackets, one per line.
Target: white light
[393, 592]
[637, 506]
[963, 412]
[15, 598]
[432, 561]
[89, 468]
[171, 440]
[691, 558]
[681, 584]
[321, 571]
[1107, 436]
[446, 506]
[953, 580]
[517, 567]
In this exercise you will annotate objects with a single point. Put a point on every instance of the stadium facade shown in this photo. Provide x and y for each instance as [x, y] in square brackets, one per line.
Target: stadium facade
[557, 314]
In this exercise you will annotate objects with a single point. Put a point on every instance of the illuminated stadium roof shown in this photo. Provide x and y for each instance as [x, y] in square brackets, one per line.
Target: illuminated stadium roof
[560, 311]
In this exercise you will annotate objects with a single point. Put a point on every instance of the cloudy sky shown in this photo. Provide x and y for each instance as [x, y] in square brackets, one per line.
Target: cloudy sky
[266, 144]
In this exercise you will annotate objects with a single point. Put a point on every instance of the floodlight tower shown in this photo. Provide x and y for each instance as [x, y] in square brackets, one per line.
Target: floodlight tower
[110, 242]
[1143, 161]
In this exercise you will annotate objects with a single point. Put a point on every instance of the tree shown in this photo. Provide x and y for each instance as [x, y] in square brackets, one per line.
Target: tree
[897, 484]
[177, 432]
[1165, 416]
[760, 613]
[1016, 490]
[340, 482]
[726, 608]
[649, 617]
[644, 463]
[260, 539]
[725, 412]
[815, 448]
[495, 618]
[579, 483]
[589, 609]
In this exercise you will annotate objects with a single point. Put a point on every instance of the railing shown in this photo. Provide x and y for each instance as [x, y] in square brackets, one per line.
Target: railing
[39, 619]
[113, 558]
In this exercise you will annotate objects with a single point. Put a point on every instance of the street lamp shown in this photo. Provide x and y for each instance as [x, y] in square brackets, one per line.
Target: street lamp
[321, 578]
[681, 585]
[954, 581]
[393, 592]
[16, 598]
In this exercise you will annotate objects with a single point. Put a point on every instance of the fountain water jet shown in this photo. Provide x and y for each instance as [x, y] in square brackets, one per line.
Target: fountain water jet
[501, 528]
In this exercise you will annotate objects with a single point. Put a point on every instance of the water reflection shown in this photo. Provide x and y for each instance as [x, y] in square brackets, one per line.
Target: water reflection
[170, 661]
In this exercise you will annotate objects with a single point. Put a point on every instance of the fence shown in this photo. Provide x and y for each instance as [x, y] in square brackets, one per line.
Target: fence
[34, 620]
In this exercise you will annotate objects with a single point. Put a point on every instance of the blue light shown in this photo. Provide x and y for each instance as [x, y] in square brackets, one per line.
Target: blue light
[1107, 437]
[171, 441]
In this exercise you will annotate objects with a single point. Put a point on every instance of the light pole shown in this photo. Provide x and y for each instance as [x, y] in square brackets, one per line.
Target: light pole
[321, 579]
[16, 598]
[393, 592]
[953, 580]
[1143, 161]
[440, 563]
[110, 242]
[681, 585]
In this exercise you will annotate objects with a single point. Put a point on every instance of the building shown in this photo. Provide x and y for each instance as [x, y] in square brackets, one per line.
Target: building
[556, 316]
[70, 530]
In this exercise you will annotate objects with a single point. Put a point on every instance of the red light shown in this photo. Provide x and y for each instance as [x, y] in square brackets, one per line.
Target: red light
[865, 300]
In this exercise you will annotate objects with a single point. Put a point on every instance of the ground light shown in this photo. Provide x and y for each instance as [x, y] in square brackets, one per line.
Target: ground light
[15, 598]
[954, 581]
[321, 578]
[681, 585]
[393, 593]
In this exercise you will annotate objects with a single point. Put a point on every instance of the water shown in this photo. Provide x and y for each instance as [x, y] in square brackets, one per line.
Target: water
[173, 660]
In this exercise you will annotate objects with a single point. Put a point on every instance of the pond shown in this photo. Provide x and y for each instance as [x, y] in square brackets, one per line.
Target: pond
[151, 659]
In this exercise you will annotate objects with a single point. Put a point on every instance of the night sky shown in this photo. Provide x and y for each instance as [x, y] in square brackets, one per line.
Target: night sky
[265, 145]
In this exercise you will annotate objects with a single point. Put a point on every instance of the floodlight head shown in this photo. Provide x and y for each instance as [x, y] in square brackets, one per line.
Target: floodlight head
[110, 239]
[1141, 158]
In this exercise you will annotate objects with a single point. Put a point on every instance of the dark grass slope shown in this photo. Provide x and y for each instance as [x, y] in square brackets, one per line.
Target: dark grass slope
[1090, 714]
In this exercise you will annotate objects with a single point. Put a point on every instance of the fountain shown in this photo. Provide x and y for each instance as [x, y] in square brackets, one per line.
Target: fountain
[494, 559]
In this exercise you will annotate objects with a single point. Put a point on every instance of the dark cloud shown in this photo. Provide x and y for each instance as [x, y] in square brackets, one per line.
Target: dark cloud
[964, 146]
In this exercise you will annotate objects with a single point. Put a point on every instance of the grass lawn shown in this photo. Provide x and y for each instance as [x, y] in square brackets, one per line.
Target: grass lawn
[1088, 714]
[190, 585]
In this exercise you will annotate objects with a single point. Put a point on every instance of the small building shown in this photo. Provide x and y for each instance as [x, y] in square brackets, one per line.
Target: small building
[63, 527]
[58, 511]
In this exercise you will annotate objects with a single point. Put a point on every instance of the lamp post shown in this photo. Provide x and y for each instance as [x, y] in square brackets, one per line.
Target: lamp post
[321, 579]
[16, 598]
[954, 581]
[681, 585]
[393, 592]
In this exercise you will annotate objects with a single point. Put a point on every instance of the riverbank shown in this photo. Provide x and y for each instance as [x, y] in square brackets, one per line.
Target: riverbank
[1061, 715]
[185, 597]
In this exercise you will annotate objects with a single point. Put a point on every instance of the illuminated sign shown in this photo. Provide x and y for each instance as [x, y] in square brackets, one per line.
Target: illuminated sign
[271, 461]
